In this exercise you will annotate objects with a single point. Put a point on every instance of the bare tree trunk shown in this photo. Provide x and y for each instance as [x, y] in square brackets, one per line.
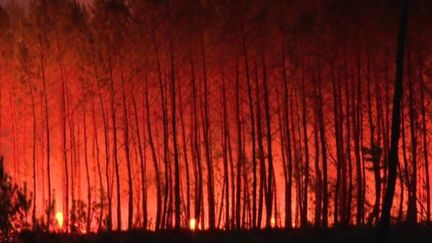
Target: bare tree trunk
[63, 118]
[174, 134]
[239, 149]
[269, 196]
[287, 147]
[321, 126]
[374, 150]
[48, 137]
[348, 214]
[401, 195]
[304, 213]
[412, 198]
[425, 145]
[107, 154]
[196, 153]
[89, 205]
[165, 132]
[283, 152]
[64, 150]
[393, 153]
[185, 156]
[207, 141]
[261, 155]
[155, 162]
[114, 149]
[252, 121]
[225, 153]
[297, 154]
[33, 152]
[101, 188]
[127, 148]
[357, 104]
[143, 164]
[338, 116]
[406, 165]
[73, 165]
[318, 173]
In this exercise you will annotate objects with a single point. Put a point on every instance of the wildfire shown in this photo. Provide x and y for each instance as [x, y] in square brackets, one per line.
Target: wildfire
[273, 222]
[59, 218]
[192, 224]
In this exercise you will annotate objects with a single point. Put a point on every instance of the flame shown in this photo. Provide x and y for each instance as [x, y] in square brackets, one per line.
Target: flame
[192, 224]
[59, 218]
[273, 222]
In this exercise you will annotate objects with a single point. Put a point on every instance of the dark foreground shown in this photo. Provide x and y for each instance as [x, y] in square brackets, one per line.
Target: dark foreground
[343, 235]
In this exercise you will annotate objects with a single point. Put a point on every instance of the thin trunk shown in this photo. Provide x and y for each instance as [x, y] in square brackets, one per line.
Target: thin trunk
[126, 146]
[143, 164]
[107, 154]
[304, 213]
[252, 121]
[33, 152]
[374, 151]
[339, 146]
[89, 206]
[101, 188]
[269, 196]
[174, 134]
[196, 149]
[239, 148]
[318, 173]
[288, 187]
[357, 104]
[261, 155]
[185, 156]
[207, 141]
[323, 151]
[114, 148]
[412, 199]
[425, 145]
[48, 137]
[64, 150]
[348, 207]
[155, 161]
[165, 133]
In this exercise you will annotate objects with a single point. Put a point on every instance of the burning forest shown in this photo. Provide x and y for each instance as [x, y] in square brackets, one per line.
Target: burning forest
[214, 115]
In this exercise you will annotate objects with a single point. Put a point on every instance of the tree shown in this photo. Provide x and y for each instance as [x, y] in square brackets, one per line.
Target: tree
[397, 97]
[14, 205]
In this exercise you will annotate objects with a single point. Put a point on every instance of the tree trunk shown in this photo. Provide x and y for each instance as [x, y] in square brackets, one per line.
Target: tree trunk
[239, 149]
[412, 199]
[269, 196]
[127, 147]
[174, 134]
[207, 141]
[114, 148]
[393, 153]
[252, 121]
[89, 205]
[425, 145]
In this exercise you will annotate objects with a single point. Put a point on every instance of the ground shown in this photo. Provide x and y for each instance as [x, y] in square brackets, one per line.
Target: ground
[342, 235]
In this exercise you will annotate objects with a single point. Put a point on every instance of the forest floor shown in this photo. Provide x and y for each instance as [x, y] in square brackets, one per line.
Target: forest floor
[342, 235]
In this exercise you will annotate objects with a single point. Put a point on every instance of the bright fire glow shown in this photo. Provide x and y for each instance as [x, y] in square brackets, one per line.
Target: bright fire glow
[273, 222]
[59, 218]
[192, 224]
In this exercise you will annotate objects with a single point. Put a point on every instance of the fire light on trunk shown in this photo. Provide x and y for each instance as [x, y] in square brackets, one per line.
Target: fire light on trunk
[192, 224]
[59, 218]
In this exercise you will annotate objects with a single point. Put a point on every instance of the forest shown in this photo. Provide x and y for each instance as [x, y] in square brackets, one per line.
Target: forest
[122, 115]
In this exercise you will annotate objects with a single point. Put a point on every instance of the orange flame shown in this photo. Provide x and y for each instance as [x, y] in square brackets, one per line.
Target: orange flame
[192, 224]
[59, 218]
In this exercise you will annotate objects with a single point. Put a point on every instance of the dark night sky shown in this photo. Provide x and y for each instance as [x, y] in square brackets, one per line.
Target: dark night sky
[3, 2]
